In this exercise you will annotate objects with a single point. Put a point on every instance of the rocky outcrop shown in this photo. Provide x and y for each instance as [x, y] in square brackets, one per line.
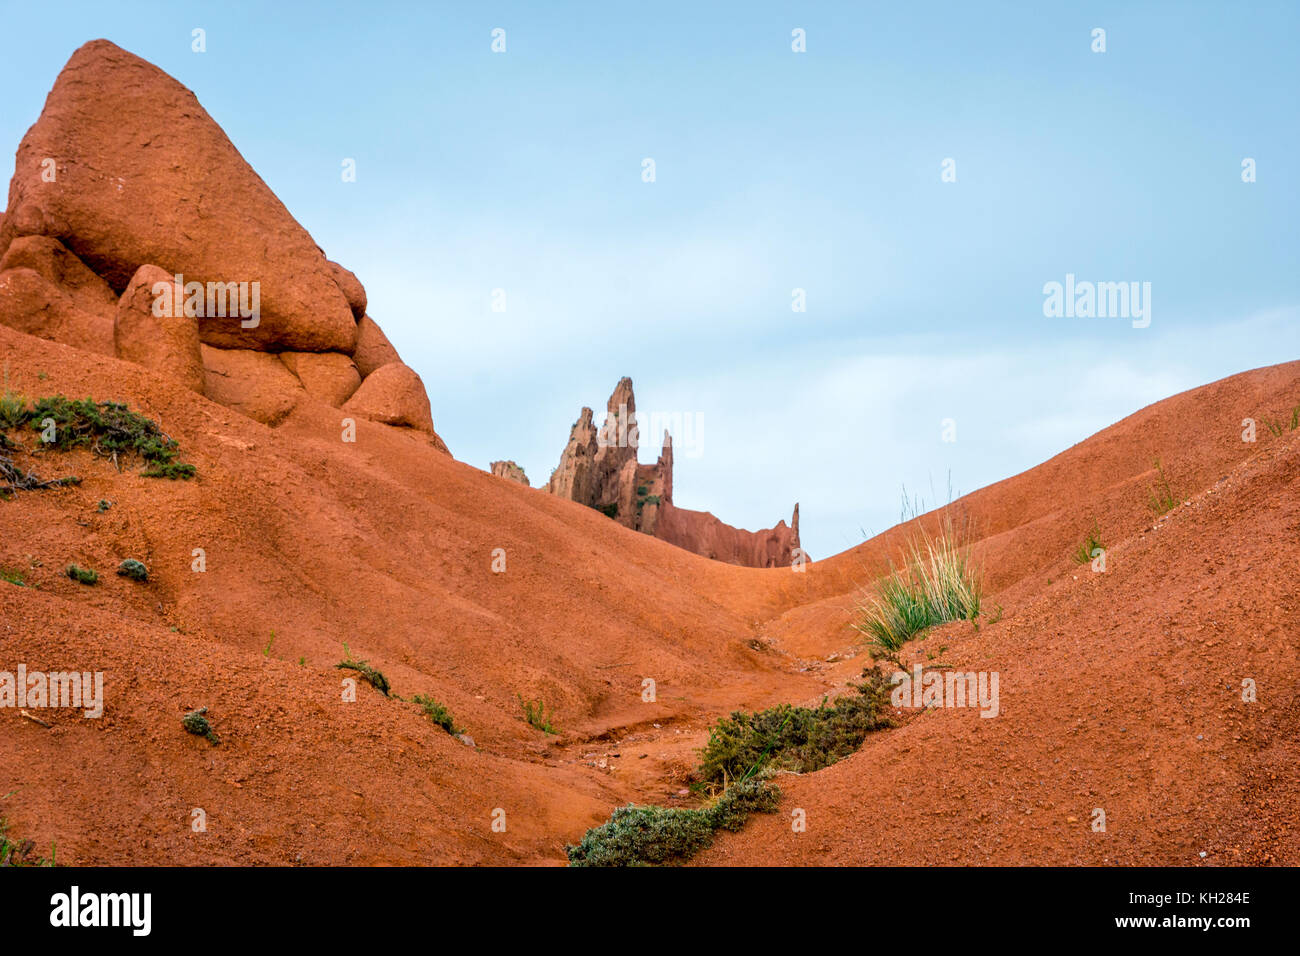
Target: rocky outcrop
[701, 532]
[373, 349]
[599, 468]
[253, 383]
[57, 265]
[166, 344]
[125, 183]
[31, 304]
[393, 395]
[510, 472]
[331, 377]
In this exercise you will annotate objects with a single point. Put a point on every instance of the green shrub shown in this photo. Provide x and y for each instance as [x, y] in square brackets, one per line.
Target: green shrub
[657, 836]
[800, 739]
[133, 569]
[938, 581]
[81, 575]
[108, 429]
[196, 723]
[439, 714]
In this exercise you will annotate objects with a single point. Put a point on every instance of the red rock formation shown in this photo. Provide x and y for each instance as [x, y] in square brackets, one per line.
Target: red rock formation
[510, 472]
[125, 182]
[701, 532]
[599, 468]
[168, 344]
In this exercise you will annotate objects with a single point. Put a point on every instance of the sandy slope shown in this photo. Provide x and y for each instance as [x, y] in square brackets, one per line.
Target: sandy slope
[387, 545]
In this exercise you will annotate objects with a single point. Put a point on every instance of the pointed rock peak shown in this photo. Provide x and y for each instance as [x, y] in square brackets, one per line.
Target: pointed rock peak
[622, 397]
[143, 175]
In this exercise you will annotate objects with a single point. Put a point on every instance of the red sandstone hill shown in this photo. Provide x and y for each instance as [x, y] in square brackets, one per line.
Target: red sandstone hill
[1119, 690]
[387, 545]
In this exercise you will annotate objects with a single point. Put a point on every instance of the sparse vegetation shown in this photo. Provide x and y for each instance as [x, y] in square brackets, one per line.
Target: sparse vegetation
[439, 714]
[104, 505]
[13, 410]
[1160, 496]
[196, 723]
[1092, 542]
[108, 429]
[18, 853]
[611, 509]
[266, 651]
[81, 575]
[133, 569]
[375, 678]
[535, 714]
[14, 577]
[655, 836]
[1277, 428]
[800, 739]
[938, 581]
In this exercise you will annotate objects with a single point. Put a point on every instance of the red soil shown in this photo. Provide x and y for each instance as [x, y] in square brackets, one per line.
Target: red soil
[1118, 690]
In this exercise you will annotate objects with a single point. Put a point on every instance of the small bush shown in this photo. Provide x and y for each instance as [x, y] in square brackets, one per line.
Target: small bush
[81, 575]
[535, 714]
[439, 714]
[611, 509]
[133, 569]
[376, 679]
[938, 581]
[1160, 496]
[196, 723]
[1083, 554]
[801, 739]
[657, 836]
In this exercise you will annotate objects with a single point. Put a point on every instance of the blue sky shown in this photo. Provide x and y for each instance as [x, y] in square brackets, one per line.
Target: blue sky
[775, 170]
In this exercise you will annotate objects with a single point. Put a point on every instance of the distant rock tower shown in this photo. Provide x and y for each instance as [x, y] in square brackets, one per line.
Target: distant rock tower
[599, 468]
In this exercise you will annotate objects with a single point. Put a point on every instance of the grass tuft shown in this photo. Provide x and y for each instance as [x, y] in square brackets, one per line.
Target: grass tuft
[1083, 554]
[938, 581]
[535, 714]
[1160, 496]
